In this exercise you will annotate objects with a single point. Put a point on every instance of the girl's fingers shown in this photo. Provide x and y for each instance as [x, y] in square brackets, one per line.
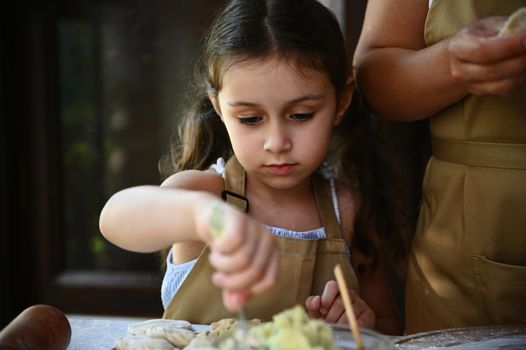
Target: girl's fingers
[367, 319]
[234, 300]
[359, 306]
[312, 305]
[234, 233]
[264, 253]
[270, 277]
[335, 311]
[343, 319]
[365, 316]
[254, 272]
[237, 260]
[330, 292]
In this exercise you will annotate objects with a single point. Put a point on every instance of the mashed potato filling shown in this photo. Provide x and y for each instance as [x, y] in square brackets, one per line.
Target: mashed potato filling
[289, 330]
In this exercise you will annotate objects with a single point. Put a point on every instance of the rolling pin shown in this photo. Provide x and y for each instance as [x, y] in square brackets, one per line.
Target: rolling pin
[37, 327]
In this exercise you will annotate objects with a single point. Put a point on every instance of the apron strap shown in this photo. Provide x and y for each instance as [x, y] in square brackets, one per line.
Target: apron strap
[325, 208]
[234, 193]
[483, 154]
[235, 181]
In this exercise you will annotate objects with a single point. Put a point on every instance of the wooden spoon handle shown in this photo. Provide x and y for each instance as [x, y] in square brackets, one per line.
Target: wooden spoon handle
[348, 307]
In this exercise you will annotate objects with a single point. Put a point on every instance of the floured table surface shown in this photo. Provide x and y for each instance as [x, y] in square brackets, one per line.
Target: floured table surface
[473, 338]
[95, 332]
[89, 333]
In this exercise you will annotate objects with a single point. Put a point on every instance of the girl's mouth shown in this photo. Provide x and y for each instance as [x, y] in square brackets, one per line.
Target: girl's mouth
[280, 169]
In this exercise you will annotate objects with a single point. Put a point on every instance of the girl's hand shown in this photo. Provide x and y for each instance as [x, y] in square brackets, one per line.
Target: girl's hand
[329, 307]
[243, 252]
[487, 64]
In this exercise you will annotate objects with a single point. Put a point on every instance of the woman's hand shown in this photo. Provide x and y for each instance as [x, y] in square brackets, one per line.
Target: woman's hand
[485, 63]
[329, 307]
[243, 252]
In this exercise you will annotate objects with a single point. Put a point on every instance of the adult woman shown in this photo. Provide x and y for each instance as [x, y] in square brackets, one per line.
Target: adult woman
[444, 60]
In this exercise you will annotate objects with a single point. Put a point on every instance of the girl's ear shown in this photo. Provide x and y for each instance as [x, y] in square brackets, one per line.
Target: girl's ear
[215, 103]
[344, 99]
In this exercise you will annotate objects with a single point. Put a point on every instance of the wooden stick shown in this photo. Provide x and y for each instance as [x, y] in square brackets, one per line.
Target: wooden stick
[348, 307]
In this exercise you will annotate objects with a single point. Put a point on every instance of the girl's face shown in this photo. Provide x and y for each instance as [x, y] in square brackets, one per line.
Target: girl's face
[279, 119]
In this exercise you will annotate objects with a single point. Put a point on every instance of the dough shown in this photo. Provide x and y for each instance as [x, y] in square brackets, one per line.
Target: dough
[141, 327]
[141, 342]
[223, 328]
[515, 23]
[178, 337]
[226, 327]
[203, 341]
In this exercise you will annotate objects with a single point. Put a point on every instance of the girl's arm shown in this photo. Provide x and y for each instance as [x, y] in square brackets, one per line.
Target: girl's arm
[187, 210]
[151, 218]
[376, 291]
[404, 80]
[375, 306]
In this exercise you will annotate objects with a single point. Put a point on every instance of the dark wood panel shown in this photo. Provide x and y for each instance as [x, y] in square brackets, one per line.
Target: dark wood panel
[107, 293]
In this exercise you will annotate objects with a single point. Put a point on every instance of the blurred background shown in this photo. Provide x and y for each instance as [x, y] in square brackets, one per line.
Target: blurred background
[89, 94]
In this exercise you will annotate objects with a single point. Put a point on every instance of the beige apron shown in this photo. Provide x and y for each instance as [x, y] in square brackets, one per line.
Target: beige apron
[468, 266]
[305, 265]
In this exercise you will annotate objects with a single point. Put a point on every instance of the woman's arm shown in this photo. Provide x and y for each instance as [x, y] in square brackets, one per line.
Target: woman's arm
[151, 218]
[404, 80]
[400, 78]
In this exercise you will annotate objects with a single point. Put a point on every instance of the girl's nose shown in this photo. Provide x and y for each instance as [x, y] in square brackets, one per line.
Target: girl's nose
[277, 139]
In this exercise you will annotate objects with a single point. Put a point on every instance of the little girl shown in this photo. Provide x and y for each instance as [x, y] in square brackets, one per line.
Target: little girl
[273, 86]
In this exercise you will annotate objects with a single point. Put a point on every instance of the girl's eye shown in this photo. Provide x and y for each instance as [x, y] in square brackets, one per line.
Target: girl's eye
[252, 120]
[301, 117]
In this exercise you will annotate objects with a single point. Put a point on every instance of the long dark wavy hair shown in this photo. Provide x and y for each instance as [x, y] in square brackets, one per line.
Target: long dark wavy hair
[307, 34]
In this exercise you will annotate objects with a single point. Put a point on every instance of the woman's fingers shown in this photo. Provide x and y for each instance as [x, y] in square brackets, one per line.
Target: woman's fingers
[487, 64]
[498, 88]
[476, 73]
[484, 46]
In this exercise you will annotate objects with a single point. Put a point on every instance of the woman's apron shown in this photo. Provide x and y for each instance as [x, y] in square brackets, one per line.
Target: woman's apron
[305, 265]
[468, 265]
